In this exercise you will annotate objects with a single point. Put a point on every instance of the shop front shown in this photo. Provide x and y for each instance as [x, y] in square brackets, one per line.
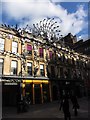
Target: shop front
[39, 91]
[9, 93]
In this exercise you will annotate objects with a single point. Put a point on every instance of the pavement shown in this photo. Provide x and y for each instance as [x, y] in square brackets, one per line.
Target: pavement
[47, 110]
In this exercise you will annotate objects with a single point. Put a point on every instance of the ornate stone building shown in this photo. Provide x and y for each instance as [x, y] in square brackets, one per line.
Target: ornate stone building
[38, 68]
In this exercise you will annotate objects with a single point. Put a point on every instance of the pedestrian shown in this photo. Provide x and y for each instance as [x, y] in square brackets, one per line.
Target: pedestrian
[65, 107]
[75, 104]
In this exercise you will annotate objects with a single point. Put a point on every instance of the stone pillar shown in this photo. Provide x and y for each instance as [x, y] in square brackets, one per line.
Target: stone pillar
[41, 93]
[33, 93]
[23, 89]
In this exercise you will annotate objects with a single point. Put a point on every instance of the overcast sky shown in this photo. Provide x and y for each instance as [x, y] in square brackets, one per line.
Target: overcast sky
[72, 17]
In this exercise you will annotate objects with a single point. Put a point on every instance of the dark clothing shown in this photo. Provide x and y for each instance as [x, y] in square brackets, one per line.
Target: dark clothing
[65, 107]
[75, 104]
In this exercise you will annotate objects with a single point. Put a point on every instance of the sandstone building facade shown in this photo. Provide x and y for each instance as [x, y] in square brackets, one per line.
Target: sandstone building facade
[33, 66]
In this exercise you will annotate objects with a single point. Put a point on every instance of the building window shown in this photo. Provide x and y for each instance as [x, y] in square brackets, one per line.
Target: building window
[29, 69]
[50, 54]
[13, 67]
[14, 47]
[52, 71]
[29, 49]
[42, 70]
[1, 44]
[1, 66]
[41, 52]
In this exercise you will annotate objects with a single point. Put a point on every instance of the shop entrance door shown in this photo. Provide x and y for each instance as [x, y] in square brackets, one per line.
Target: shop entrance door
[28, 92]
[37, 93]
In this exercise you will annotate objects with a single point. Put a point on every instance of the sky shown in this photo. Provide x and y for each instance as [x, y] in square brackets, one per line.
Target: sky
[72, 17]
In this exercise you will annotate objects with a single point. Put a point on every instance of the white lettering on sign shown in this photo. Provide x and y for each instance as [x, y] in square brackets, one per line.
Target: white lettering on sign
[10, 83]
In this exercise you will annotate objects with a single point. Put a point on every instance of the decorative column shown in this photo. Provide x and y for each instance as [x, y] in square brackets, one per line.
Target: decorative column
[23, 89]
[33, 93]
[41, 93]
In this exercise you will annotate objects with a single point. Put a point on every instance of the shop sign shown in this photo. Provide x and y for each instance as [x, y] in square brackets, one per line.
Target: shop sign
[10, 83]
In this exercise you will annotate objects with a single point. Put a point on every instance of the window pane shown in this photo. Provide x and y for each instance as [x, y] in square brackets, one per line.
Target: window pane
[1, 44]
[14, 44]
[29, 47]
[41, 66]
[29, 68]
[41, 52]
[42, 70]
[1, 60]
[50, 54]
[14, 47]
[14, 64]
[14, 68]
[29, 64]
[1, 65]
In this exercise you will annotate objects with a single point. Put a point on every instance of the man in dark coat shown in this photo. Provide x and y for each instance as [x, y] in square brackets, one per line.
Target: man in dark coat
[65, 107]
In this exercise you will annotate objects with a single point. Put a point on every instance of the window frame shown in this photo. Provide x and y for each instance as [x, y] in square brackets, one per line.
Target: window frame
[30, 70]
[2, 65]
[14, 67]
[14, 48]
[2, 44]
[41, 54]
[30, 51]
[42, 71]
[50, 54]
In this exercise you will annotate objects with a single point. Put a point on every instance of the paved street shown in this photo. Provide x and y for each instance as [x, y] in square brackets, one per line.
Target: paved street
[49, 110]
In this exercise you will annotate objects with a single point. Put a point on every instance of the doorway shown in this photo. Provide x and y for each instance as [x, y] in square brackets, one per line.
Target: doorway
[37, 93]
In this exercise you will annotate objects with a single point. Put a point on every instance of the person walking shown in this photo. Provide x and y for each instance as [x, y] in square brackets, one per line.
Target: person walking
[75, 104]
[65, 107]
